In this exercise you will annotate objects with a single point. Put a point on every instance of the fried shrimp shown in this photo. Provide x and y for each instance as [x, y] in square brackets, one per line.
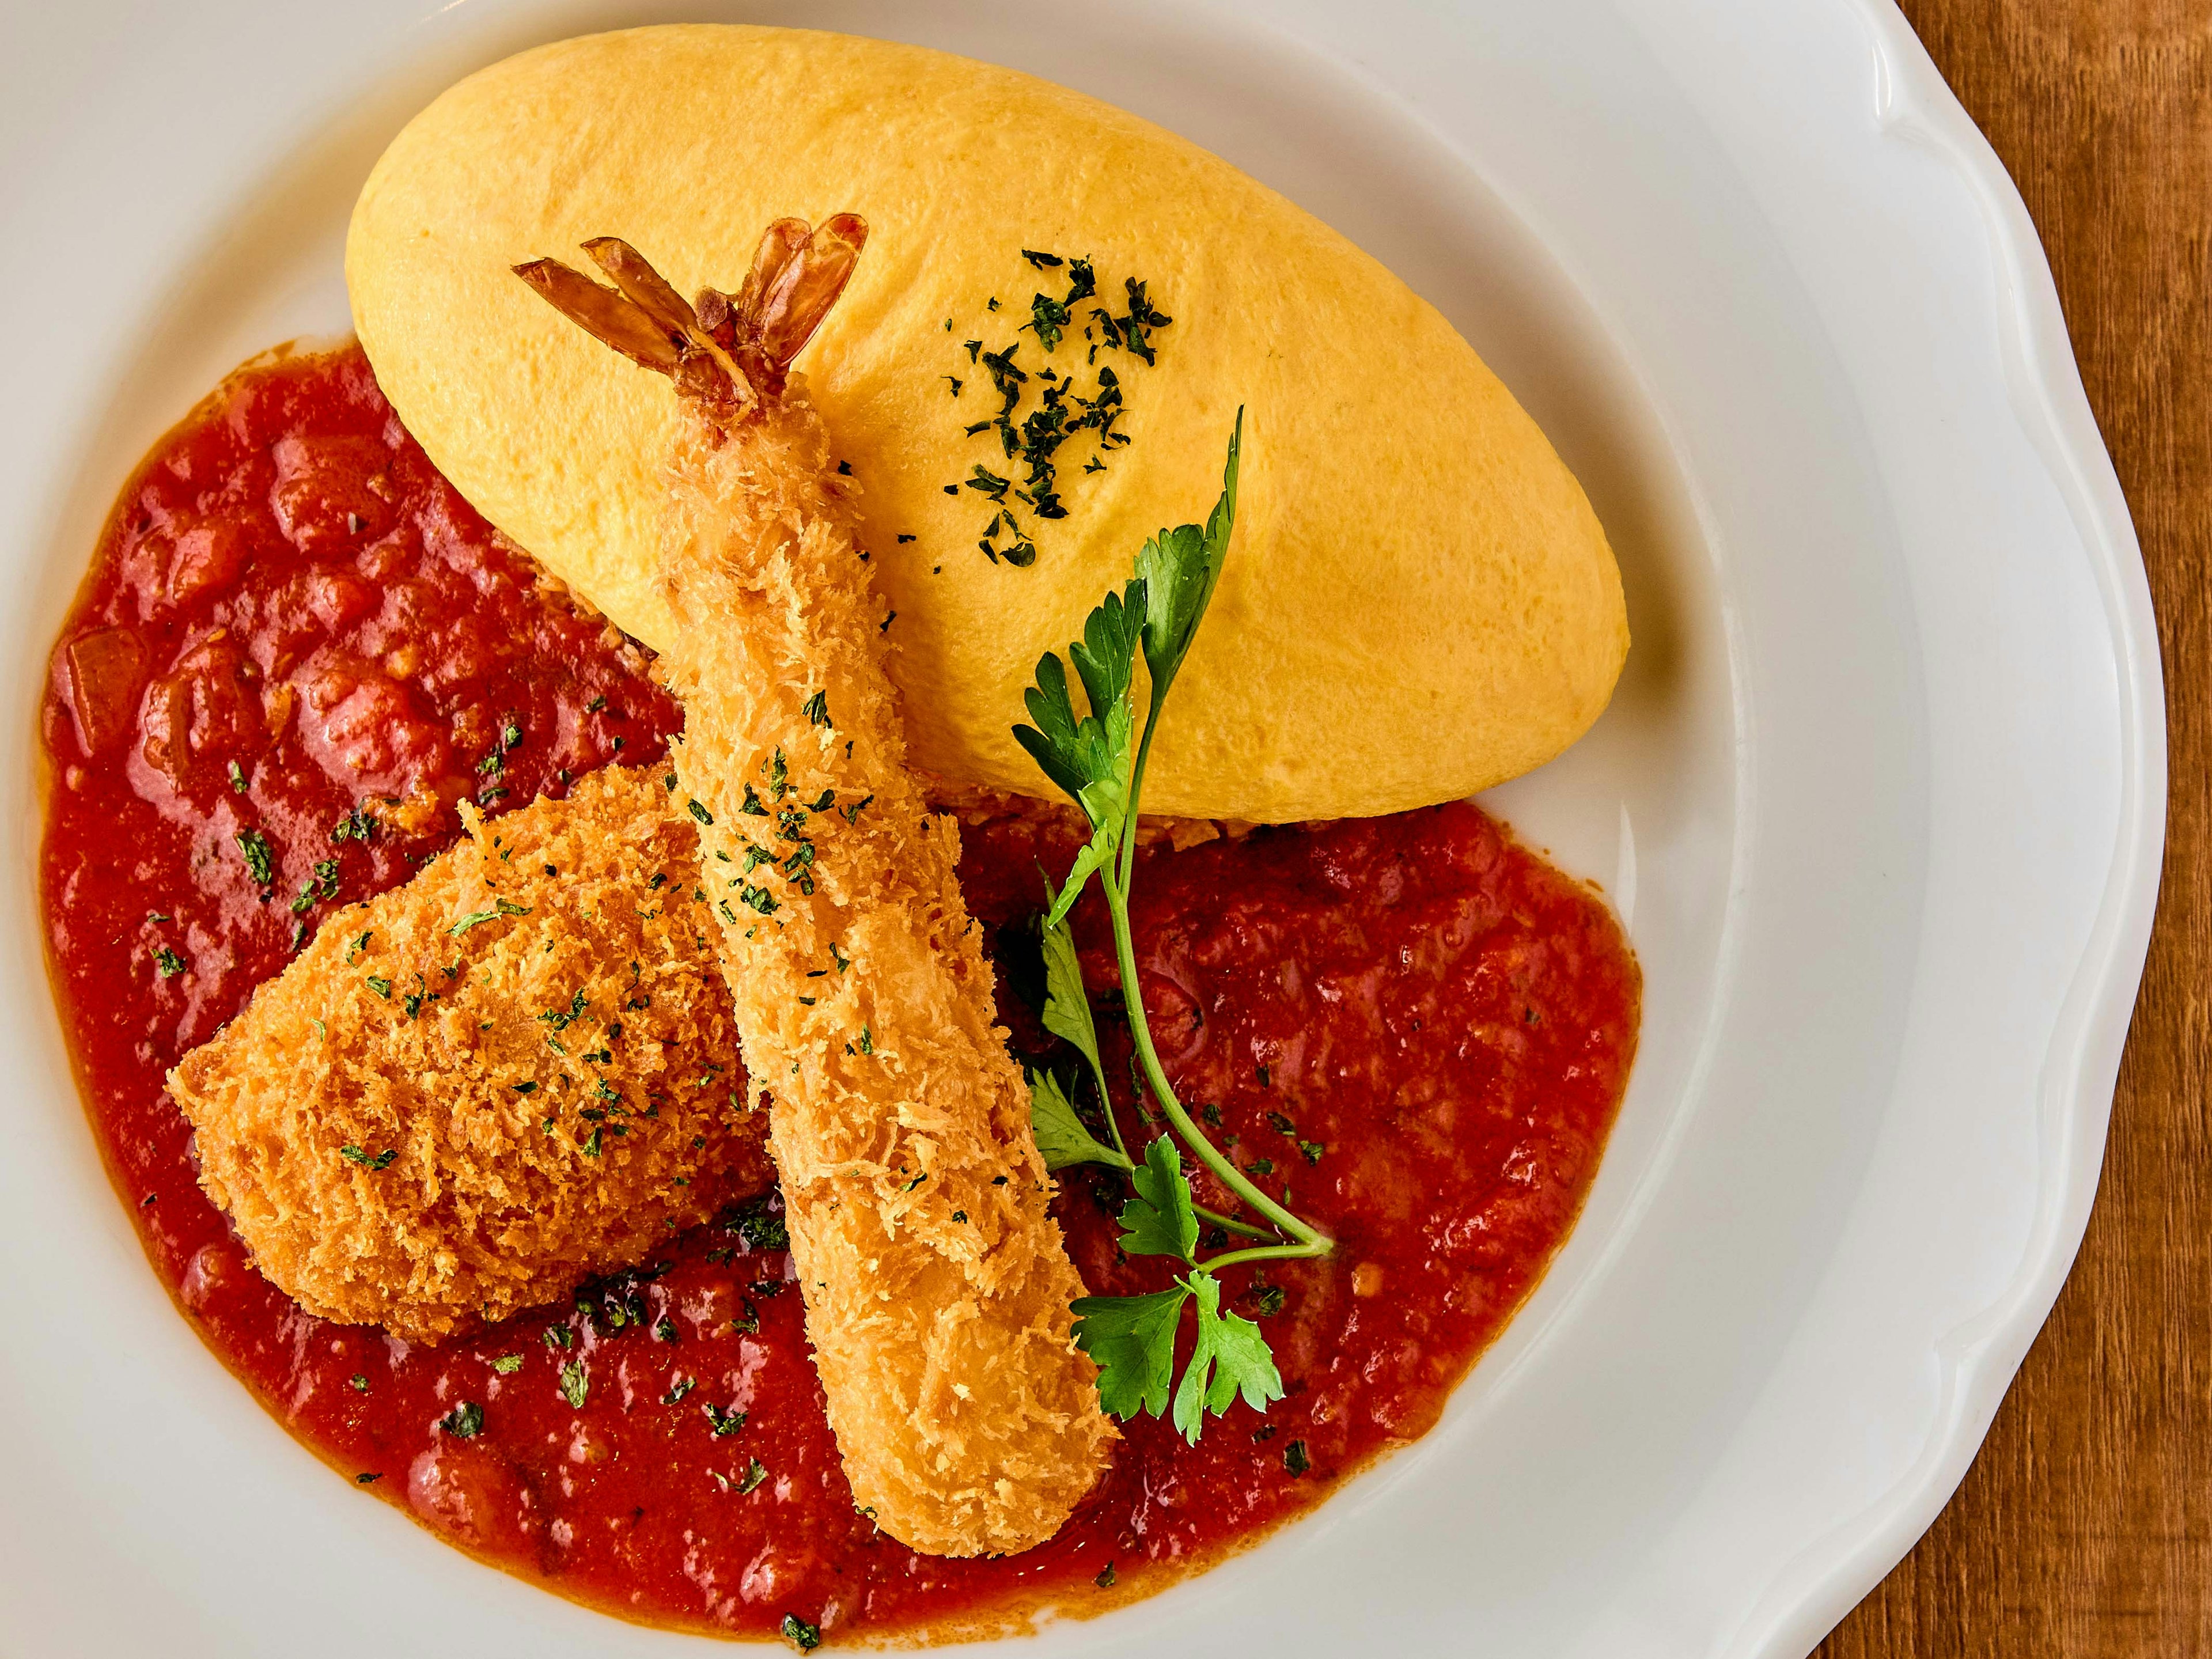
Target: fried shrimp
[466, 1096]
[936, 1280]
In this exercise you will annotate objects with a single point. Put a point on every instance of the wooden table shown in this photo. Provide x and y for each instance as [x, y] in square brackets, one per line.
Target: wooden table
[2085, 1528]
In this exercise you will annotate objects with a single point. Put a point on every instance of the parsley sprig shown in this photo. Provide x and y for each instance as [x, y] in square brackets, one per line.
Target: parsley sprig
[1090, 757]
[1061, 1135]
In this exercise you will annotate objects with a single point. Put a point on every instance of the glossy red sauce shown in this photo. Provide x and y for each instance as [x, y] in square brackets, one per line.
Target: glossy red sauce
[1412, 1026]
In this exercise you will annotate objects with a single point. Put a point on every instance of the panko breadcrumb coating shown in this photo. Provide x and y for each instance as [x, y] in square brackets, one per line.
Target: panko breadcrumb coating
[936, 1284]
[515, 1072]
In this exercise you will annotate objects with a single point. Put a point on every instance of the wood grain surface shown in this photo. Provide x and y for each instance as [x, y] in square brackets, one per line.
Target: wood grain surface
[2085, 1526]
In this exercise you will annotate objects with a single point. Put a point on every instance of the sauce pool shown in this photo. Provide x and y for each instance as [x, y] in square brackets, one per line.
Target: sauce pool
[1411, 1027]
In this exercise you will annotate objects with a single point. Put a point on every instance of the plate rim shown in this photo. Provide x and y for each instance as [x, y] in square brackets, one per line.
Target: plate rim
[1978, 1359]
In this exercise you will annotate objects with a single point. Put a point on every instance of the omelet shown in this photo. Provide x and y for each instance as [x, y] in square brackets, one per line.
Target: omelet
[1036, 368]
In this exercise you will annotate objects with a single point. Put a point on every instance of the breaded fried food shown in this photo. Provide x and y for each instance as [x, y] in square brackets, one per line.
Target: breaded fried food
[936, 1284]
[468, 1095]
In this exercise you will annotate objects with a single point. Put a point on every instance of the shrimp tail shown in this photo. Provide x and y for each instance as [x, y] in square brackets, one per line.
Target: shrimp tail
[729, 349]
[604, 315]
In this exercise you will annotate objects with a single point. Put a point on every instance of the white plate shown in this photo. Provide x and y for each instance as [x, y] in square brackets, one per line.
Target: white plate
[1882, 792]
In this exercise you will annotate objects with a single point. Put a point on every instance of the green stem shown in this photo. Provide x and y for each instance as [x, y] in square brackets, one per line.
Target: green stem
[1230, 1224]
[1106, 1105]
[1125, 954]
[1267, 1253]
[1244, 1229]
[1126, 860]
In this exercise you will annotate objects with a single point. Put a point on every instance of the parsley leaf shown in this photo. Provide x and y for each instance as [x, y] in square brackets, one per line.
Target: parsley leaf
[505, 908]
[1106, 654]
[575, 1387]
[1131, 1338]
[1061, 1136]
[1066, 1012]
[357, 825]
[1230, 1358]
[254, 846]
[1157, 1220]
[1097, 852]
[1049, 319]
[1179, 568]
[752, 1223]
[1088, 755]
[1080, 753]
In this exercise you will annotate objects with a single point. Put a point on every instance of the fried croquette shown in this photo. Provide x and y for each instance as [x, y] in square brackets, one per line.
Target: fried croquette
[466, 1096]
[936, 1280]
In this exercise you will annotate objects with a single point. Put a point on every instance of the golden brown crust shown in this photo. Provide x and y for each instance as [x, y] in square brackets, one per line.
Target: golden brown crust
[599, 991]
[936, 1281]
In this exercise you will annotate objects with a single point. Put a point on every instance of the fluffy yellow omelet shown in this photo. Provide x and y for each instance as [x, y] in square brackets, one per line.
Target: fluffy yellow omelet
[1419, 602]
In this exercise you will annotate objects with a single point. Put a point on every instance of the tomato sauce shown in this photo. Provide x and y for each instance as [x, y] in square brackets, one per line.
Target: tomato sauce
[1411, 1027]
